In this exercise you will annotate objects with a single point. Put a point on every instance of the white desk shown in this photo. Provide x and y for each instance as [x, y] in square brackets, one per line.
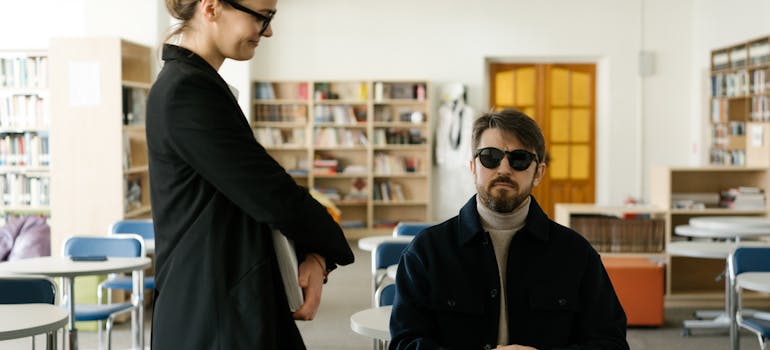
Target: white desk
[368, 243]
[26, 320]
[62, 266]
[729, 223]
[373, 323]
[756, 281]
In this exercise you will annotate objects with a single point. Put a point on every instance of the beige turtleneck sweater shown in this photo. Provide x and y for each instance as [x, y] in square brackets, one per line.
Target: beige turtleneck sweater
[501, 228]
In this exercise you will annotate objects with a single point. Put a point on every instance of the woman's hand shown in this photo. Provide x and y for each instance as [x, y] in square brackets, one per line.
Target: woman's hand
[312, 272]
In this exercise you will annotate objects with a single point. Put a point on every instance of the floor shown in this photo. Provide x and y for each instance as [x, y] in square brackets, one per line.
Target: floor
[348, 291]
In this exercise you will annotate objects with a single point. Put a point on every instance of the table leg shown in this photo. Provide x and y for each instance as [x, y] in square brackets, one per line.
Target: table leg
[72, 331]
[137, 315]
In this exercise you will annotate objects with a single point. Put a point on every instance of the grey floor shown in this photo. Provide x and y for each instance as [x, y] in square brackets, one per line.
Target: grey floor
[349, 291]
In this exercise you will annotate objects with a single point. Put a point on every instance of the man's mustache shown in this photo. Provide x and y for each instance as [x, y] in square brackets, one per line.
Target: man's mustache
[503, 180]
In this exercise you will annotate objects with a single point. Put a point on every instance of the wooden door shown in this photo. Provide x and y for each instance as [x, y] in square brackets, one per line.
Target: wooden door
[561, 99]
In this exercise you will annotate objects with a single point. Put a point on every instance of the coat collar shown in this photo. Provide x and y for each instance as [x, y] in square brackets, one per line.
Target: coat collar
[536, 224]
[174, 53]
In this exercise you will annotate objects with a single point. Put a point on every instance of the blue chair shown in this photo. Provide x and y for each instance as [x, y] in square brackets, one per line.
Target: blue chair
[747, 259]
[124, 246]
[406, 228]
[29, 290]
[146, 230]
[385, 254]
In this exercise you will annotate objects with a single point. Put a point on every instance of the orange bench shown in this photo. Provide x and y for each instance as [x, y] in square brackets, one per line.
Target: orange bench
[638, 283]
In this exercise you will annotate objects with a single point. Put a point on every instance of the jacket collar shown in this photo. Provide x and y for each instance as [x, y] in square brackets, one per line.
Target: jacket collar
[174, 52]
[536, 223]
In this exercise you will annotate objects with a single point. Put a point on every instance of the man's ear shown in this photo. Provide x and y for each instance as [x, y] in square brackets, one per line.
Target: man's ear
[539, 173]
[473, 167]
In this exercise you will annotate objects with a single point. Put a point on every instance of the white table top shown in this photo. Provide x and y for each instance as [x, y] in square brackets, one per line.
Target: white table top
[709, 250]
[26, 320]
[730, 222]
[62, 266]
[392, 271]
[756, 281]
[368, 243]
[373, 323]
[737, 231]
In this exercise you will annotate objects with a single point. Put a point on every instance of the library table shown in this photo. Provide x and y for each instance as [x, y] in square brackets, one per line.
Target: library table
[62, 266]
[374, 323]
[28, 320]
[369, 243]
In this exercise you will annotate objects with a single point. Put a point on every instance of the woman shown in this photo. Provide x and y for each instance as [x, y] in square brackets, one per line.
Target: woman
[216, 194]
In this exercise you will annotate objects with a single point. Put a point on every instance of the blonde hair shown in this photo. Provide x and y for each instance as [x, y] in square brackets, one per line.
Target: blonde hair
[182, 10]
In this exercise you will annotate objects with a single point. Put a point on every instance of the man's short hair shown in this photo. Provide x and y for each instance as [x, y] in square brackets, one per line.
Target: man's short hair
[515, 123]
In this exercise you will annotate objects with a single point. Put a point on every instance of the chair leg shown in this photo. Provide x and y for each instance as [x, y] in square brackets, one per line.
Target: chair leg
[33, 342]
[109, 333]
[762, 342]
[50, 340]
[99, 333]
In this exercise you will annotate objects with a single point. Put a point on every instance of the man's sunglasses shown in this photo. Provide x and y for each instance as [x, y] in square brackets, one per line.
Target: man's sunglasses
[260, 17]
[491, 157]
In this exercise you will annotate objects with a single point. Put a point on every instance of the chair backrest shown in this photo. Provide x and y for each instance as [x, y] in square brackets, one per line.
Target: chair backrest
[121, 246]
[386, 254]
[387, 295]
[406, 228]
[142, 228]
[749, 259]
[27, 290]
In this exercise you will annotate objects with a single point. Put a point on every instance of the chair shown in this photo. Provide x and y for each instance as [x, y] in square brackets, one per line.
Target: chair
[29, 290]
[406, 228]
[747, 259]
[128, 245]
[385, 254]
[143, 228]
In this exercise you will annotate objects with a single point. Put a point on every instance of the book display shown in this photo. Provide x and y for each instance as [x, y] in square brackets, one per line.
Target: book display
[101, 170]
[363, 144]
[24, 123]
[739, 109]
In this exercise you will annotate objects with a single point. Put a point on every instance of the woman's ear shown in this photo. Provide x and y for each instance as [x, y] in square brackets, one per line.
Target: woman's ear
[209, 9]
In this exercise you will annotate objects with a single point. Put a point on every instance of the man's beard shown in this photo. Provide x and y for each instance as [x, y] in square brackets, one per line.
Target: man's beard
[502, 202]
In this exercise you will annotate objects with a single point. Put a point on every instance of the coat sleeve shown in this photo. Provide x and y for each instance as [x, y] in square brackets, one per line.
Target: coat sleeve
[412, 322]
[206, 131]
[602, 324]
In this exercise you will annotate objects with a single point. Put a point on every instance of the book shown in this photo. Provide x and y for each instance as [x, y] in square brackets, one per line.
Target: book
[287, 264]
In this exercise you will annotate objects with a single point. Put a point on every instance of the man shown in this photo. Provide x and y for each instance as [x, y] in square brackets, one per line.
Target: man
[501, 274]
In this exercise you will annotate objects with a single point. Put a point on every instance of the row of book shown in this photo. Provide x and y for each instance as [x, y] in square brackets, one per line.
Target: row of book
[356, 91]
[615, 235]
[730, 84]
[281, 113]
[386, 164]
[134, 105]
[760, 108]
[398, 136]
[280, 91]
[720, 109]
[385, 113]
[389, 191]
[722, 156]
[342, 115]
[276, 137]
[745, 198]
[24, 190]
[336, 137]
[24, 112]
[24, 72]
[133, 194]
[399, 91]
[355, 194]
[760, 81]
[24, 149]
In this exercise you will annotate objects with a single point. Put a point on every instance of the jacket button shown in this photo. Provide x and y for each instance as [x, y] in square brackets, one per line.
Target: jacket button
[493, 293]
[450, 303]
[487, 347]
[562, 302]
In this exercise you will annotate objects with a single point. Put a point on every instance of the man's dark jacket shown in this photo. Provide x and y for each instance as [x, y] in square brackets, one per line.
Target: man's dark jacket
[558, 294]
[215, 191]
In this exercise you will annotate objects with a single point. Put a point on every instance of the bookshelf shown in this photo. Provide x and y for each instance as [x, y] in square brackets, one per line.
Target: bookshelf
[24, 123]
[739, 104]
[691, 280]
[364, 144]
[100, 169]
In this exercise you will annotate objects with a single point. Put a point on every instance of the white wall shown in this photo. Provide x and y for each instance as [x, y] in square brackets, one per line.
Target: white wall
[717, 24]
[445, 41]
[29, 24]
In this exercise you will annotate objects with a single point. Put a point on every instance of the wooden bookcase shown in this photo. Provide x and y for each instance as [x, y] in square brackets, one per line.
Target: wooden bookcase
[24, 123]
[740, 104]
[364, 144]
[692, 280]
[99, 172]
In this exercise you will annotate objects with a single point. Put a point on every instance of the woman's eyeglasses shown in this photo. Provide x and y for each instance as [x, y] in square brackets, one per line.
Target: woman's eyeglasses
[491, 157]
[260, 17]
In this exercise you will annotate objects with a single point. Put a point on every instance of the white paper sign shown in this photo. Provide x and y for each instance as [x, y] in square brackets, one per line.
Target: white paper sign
[756, 135]
[85, 84]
